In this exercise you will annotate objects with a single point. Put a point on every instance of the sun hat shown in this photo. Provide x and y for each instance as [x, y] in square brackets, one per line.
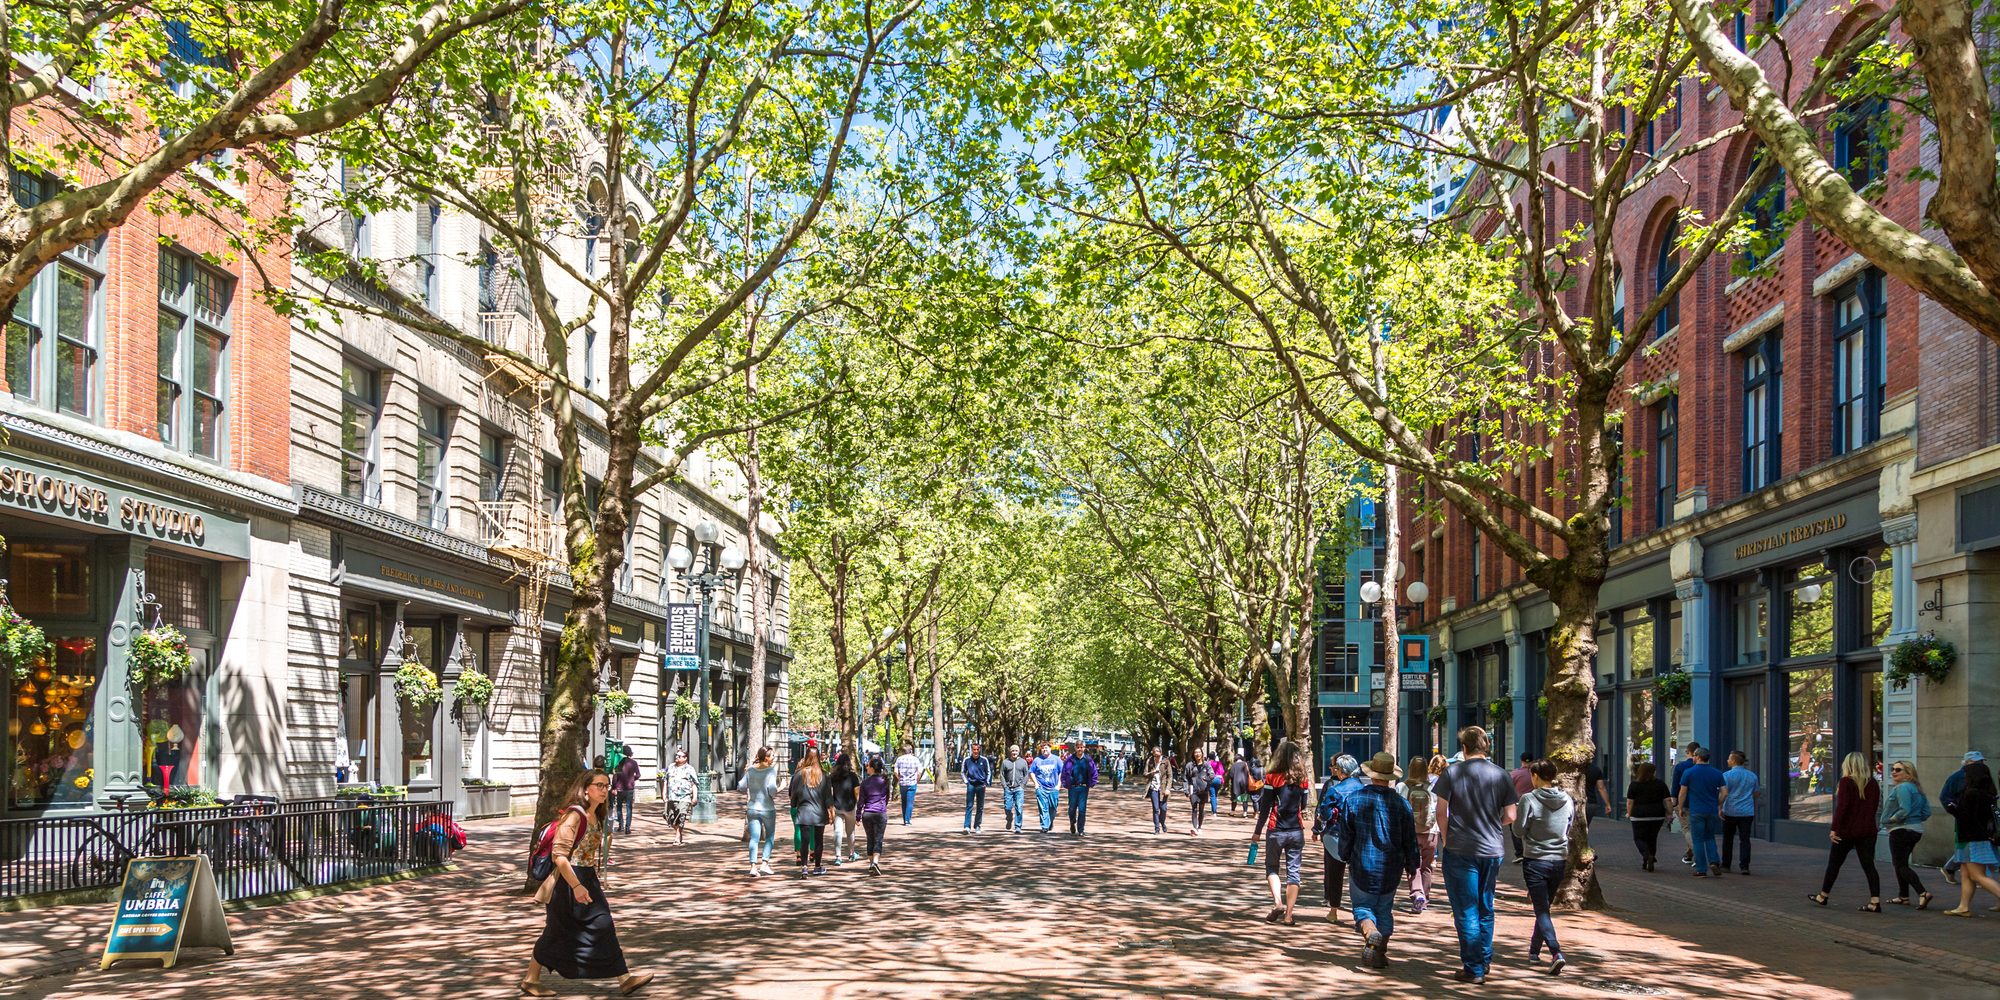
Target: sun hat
[1974, 757]
[1382, 767]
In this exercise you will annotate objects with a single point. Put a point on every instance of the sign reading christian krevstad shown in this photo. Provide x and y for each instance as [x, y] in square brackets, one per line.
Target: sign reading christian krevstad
[57, 492]
[1797, 533]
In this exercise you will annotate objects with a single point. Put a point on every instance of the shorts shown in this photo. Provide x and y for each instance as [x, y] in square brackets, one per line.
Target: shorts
[1290, 845]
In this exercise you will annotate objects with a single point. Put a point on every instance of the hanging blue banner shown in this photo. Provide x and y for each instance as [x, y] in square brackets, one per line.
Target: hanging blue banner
[683, 647]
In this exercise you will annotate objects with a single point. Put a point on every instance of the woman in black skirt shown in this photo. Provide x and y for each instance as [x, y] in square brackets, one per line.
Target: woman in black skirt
[578, 940]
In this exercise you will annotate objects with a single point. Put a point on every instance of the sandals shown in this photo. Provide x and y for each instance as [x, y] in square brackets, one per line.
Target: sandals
[633, 984]
[1818, 897]
[1276, 913]
[1923, 900]
[1875, 907]
[1899, 901]
[1958, 913]
[529, 989]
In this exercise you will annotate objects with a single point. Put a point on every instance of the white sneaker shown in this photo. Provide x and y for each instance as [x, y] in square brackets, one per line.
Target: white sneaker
[754, 873]
[764, 868]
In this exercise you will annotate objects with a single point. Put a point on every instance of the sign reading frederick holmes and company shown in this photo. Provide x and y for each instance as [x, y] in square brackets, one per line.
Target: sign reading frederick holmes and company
[414, 580]
[69, 495]
[683, 650]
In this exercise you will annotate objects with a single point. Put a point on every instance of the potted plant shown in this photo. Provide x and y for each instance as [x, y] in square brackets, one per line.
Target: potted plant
[419, 691]
[1673, 690]
[1925, 656]
[22, 642]
[684, 709]
[470, 695]
[1436, 715]
[773, 718]
[156, 658]
[1500, 709]
[615, 703]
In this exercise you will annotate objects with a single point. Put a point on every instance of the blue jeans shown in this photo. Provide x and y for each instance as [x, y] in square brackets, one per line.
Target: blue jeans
[1079, 800]
[1377, 906]
[909, 802]
[763, 830]
[1703, 826]
[1469, 883]
[1211, 799]
[1010, 800]
[975, 806]
[621, 810]
[1543, 877]
[1045, 803]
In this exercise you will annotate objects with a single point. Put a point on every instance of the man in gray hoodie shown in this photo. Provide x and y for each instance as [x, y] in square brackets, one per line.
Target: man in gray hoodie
[1013, 782]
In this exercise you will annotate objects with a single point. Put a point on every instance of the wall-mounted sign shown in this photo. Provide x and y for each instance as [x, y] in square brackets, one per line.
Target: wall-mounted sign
[1416, 654]
[491, 597]
[166, 904]
[62, 493]
[683, 650]
[1799, 533]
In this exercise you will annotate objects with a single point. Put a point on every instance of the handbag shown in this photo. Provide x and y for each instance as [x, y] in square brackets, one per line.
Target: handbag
[1256, 783]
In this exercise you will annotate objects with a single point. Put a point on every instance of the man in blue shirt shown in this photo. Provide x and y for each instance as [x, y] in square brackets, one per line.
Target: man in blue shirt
[1080, 774]
[1739, 807]
[1701, 802]
[978, 773]
[1047, 769]
[1378, 842]
[1674, 789]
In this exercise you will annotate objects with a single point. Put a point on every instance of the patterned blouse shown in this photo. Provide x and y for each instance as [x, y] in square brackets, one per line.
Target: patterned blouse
[585, 847]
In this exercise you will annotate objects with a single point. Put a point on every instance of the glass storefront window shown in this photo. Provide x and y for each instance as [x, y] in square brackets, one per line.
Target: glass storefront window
[1877, 597]
[1671, 635]
[1870, 683]
[1808, 612]
[46, 579]
[1753, 628]
[51, 725]
[175, 728]
[1638, 729]
[1813, 773]
[1637, 634]
[1607, 654]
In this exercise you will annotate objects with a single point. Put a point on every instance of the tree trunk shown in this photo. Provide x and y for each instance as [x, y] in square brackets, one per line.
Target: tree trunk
[941, 778]
[1572, 694]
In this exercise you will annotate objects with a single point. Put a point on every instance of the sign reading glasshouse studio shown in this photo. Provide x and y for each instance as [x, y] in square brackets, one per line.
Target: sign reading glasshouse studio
[62, 493]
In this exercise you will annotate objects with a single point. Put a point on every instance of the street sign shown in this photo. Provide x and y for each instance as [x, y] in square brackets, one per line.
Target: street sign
[1416, 654]
[165, 905]
[683, 650]
[1416, 682]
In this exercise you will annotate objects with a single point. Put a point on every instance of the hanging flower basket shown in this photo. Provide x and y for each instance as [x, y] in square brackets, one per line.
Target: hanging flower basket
[1674, 690]
[472, 689]
[1925, 656]
[615, 703]
[417, 686]
[1542, 706]
[1500, 709]
[684, 708]
[23, 642]
[773, 718]
[159, 656]
[1436, 714]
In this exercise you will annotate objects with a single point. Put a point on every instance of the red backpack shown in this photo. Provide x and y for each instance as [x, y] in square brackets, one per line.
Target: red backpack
[542, 863]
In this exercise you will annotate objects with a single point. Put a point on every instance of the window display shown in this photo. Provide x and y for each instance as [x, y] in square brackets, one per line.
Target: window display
[1813, 772]
[50, 726]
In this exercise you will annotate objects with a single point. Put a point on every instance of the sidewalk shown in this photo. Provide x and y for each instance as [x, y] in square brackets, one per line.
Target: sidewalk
[1120, 913]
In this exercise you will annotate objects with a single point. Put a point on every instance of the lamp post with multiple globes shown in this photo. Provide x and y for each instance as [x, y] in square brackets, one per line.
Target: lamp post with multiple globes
[708, 578]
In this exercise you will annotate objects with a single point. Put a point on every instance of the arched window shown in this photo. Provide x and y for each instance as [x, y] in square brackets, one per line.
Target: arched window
[1766, 211]
[1666, 262]
[1618, 299]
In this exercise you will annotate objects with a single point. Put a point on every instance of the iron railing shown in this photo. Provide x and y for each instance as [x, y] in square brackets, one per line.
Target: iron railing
[255, 848]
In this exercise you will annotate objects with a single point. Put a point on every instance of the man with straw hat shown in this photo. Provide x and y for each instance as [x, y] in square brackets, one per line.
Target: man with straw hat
[1378, 841]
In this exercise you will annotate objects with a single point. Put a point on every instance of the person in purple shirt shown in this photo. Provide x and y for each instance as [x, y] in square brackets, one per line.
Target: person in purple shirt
[1080, 774]
[875, 811]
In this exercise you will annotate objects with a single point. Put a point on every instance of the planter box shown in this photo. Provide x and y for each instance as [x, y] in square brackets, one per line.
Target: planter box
[488, 801]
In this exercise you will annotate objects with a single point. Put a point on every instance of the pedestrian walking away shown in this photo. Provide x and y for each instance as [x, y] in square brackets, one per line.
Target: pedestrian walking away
[1198, 781]
[1118, 765]
[1856, 803]
[909, 771]
[578, 938]
[624, 792]
[875, 812]
[1013, 784]
[1701, 793]
[1739, 809]
[1975, 830]
[1239, 786]
[760, 810]
[1523, 784]
[1342, 780]
[1545, 814]
[1646, 809]
[977, 770]
[1674, 786]
[1904, 810]
[1378, 841]
[1216, 772]
[1080, 775]
[844, 785]
[1158, 777]
[1047, 771]
[1281, 808]
[1415, 789]
[811, 803]
[680, 797]
[1948, 795]
[1475, 806]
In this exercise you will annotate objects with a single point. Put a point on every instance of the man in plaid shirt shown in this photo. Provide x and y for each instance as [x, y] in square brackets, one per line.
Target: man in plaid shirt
[1378, 840]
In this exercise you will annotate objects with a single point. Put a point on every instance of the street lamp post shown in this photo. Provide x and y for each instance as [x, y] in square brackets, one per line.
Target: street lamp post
[708, 578]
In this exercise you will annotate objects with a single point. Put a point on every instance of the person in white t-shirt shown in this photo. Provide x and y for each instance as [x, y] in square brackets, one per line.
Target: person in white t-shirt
[909, 770]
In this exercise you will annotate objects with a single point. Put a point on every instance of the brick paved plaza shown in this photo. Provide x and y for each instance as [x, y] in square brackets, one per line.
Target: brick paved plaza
[1121, 913]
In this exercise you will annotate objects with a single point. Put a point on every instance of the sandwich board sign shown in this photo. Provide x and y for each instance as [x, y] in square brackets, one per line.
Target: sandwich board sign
[166, 904]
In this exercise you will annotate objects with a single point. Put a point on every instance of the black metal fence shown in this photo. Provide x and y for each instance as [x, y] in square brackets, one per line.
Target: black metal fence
[255, 848]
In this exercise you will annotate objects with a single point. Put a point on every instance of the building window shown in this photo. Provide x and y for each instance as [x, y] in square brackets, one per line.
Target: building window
[1617, 303]
[1753, 625]
[53, 337]
[433, 436]
[489, 268]
[1666, 459]
[593, 226]
[589, 358]
[492, 462]
[49, 715]
[193, 356]
[625, 563]
[1616, 510]
[1763, 421]
[552, 489]
[1810, 745]
[1808, 593]
[360, 419]
[1666, 263]
[1767, 211]
[1856, 152]
[427, 238]
[1778, 8]
[1478, 569]
[1859, 367]
[1741, 34]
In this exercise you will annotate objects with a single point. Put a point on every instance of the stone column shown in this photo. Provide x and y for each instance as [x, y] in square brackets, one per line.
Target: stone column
[120, 750]
[386, 756]
[447, 732]
[1685, 562]
[1899, 701]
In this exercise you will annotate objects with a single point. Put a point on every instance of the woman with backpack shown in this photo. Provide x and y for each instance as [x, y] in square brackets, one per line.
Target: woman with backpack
[578, 939]
[812, 800]
[1197, 775]
[1415, 788]
[1904, 810]
[1282, 804]
[1976, 855]
[845, 788]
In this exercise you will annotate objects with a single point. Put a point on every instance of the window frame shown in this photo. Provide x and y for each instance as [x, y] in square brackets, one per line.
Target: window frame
[192, 320]
[1863, 335]
[1854, 125]
[1763, 393]
[1666, 459]
[434, 422]
[1666, 263]
[493, 487]
[370, 458]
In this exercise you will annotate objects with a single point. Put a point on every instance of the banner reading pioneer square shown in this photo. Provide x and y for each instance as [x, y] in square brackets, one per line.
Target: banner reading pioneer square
[683, 650]
[165, 905]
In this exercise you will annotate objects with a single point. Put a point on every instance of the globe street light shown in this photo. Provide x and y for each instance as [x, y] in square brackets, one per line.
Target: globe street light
[708, 579]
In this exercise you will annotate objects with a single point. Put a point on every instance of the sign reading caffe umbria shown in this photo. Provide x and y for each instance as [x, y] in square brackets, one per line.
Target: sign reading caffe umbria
[1803, 532]
[65, 494]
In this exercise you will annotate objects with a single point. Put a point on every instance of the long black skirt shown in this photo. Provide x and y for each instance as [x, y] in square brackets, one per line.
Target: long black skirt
[580, 949]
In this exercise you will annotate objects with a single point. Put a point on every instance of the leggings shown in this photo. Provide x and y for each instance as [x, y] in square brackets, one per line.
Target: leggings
[1901, 843]
[1420, 880]
[1332, 879]
[874, 823]
[1865, 847]
[1646, 834]
[1542, 876]
[763, 830]
[812, 840]
[1198, 802]
[845, 832]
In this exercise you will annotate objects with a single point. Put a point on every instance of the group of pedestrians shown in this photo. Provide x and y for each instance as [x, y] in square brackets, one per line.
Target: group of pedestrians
[1862, 811]
[1074, 772]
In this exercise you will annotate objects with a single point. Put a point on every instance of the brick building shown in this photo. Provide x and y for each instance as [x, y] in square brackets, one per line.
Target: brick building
[1812, 463]
[144, 480]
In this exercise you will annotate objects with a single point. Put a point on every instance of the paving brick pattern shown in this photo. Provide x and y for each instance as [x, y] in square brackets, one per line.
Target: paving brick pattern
[1119, 913]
